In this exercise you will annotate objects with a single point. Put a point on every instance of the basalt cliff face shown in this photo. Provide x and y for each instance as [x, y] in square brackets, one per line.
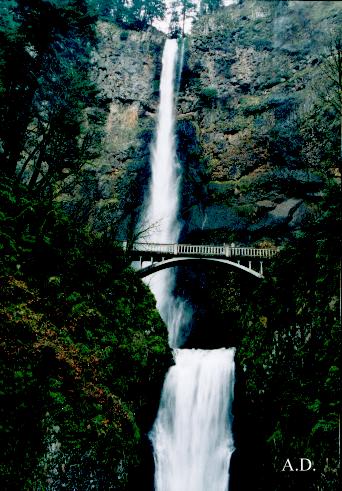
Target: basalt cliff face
[126, 69]
[251, 99]
[251, 128]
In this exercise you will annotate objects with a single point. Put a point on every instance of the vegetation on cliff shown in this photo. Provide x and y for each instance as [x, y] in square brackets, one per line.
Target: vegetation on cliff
[289, 356]
[137, 14]
[84, 352]
[261, 97]
[83, 349]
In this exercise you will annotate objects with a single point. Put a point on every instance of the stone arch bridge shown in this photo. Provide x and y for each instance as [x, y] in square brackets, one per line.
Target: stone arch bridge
[163, 256]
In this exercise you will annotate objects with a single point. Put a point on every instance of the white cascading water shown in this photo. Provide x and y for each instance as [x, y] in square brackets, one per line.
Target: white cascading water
[162, 204]
[191, 437]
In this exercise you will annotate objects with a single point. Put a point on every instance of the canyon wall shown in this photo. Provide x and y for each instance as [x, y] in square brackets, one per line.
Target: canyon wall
[252, 121]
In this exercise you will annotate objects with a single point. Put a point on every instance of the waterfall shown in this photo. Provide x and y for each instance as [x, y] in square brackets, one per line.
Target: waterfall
[180, 63]
[191, 436]
[162, 203]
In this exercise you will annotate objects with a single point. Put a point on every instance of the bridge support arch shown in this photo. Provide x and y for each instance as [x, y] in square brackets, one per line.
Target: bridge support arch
[177, 261]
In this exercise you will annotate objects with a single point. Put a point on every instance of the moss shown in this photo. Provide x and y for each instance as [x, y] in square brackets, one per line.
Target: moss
[85, 351]
[124, 35]
[237, 123]
[283, 325]
[208, 96]
[247, 210]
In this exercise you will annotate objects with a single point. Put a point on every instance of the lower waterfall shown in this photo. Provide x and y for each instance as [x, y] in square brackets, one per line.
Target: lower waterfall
[192, 436]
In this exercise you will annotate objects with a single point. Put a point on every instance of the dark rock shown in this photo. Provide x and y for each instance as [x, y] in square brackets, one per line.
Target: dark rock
[266, 204]
[301, 215]
[213, 217]
[284, 210]
[278, 217]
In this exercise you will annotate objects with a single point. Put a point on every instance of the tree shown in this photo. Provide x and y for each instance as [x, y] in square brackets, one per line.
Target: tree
[136, 13]
[146, 11]
[46, 126]
[109, 10]
[104, 7]
[333, 71]
[174, 25]
[181, 10]
[15, 86]
[209, 6]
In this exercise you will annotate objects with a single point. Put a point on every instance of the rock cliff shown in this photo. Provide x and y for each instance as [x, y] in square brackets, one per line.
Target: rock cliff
[126, 68]
[253, 84]
[252, 130]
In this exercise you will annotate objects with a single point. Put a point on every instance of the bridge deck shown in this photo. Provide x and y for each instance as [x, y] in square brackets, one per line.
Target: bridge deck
[202, 250]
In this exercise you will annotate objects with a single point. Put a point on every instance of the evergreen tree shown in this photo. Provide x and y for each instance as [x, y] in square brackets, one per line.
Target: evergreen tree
[46, 90]
[181, 10]
[109, 10]
[208, 6]
[148, 10]
[134, 14]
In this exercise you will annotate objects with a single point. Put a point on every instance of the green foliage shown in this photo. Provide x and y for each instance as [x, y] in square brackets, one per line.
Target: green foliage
[282, 105]
[124, 35]
[291, 346]
[263, 44]
[137, 14]
[209, 6]
[181, 10]
[83, 349]
[208, 95]
[247, 211]
[46, 132]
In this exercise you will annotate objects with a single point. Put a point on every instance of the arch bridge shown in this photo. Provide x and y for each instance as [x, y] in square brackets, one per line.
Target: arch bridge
[163, 256]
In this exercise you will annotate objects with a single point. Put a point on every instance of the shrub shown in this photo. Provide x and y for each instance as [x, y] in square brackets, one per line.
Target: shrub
[124, 35]
[208, 95]
[209, 92]
[263, 44]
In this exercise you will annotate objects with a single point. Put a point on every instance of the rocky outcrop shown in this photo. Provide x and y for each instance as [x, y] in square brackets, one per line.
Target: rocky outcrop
[252, 77]
[126, 68]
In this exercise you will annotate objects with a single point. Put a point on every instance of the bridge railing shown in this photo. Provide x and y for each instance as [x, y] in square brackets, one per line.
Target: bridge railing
[156, 248]
[253, 252]
[204, 250]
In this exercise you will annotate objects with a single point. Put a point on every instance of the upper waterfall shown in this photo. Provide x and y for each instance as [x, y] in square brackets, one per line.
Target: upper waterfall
[163, 199]
[161, 207]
